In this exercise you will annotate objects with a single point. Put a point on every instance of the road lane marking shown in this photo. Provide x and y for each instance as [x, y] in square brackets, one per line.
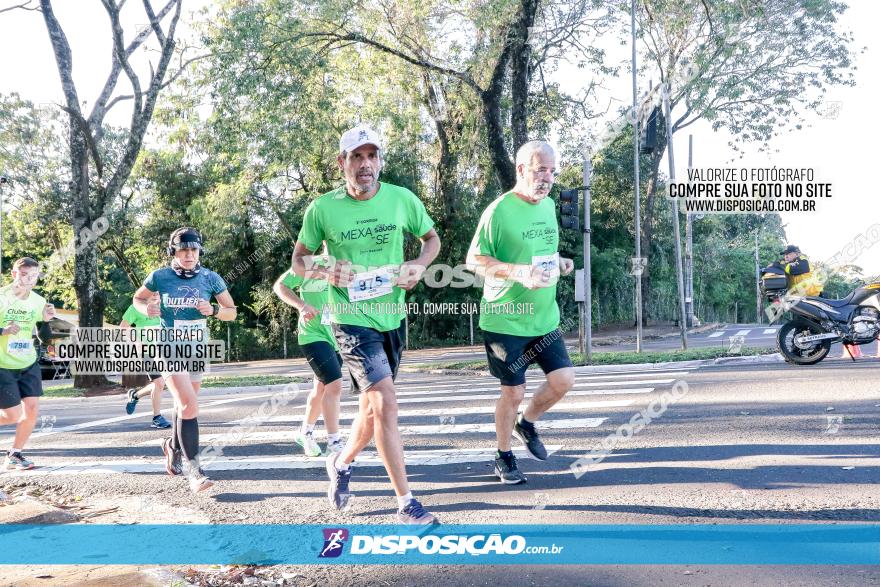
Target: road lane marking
[464, 389]
[365, 459]
[434, 384]
[471, 398]
[421, 430]
[114, 419]
[743, 332]
[716, 334]
[436, 412]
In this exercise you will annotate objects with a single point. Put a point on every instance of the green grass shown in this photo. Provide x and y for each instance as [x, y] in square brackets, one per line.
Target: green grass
[249, 380]
[217, 381]
[620, 358]
[63, 391]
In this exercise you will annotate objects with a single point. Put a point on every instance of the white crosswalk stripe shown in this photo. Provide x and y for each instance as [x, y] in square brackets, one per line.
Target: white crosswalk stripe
[486, 428]
[490, 409]
[465, 388]
[743, 332]
[770, 331]
[365, 459]
[716, 334]
[463, 397]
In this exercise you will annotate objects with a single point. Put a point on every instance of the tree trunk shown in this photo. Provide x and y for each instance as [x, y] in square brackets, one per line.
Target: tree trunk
[520, 71]
[448, 131]
[89, 297]
[501, 162]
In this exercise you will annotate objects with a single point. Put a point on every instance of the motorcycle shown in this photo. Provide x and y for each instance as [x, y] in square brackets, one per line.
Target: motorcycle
[817, 322]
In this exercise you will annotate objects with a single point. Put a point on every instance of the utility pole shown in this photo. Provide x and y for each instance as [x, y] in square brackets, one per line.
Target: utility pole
[682, 313]
[3, 181]
[588, 277]
[757, 282]
[637, 268]
[689, 249]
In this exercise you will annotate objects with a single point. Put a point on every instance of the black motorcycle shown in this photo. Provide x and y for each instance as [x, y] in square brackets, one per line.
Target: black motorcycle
[816, 322]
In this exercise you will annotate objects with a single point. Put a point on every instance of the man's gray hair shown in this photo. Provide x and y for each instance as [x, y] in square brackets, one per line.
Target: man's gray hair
[527, 151]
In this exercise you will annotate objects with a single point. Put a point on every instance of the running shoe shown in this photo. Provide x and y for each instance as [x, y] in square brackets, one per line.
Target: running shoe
[160, 422]
[198, 481]
[507, 470]
[338, 492]
[529, 437]
[413, 513]
[18, 461]
[132, 402]
[308, 444]
[172, 458]
[334, 446]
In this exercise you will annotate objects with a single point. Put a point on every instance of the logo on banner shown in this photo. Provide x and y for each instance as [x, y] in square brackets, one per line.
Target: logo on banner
[334, 540]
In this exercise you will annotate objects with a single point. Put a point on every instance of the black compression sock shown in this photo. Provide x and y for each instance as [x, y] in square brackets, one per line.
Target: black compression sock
[189, 437]
[505, 454]
[175, 430]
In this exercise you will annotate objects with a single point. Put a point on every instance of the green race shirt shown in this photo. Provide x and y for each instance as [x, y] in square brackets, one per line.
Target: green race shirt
[138, 319]
[17, 350]
[515, 231]
[314, 293]
[369, 234]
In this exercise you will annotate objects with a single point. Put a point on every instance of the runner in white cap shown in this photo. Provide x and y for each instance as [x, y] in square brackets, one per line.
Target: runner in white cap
[363, 223]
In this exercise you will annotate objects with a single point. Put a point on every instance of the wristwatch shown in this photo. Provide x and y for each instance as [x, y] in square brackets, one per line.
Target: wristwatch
[216, 309]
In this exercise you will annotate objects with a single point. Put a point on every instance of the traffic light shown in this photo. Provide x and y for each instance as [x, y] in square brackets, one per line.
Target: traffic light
[568, 208]
[648, 134]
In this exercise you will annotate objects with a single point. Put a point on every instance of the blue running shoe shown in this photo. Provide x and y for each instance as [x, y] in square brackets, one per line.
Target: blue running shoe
[132, 401]
[160, 422]
[413, 513]
[338, 492]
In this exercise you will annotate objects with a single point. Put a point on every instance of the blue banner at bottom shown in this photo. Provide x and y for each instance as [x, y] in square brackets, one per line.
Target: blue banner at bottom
[759, 544]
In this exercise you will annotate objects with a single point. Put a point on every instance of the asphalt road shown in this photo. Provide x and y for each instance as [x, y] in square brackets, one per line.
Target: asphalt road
[745, 444]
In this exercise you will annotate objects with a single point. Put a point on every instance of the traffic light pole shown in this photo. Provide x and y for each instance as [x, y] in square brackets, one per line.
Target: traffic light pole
[638, 220]
[689, 249]
[682, 313]
[588, 277]
[3, 181]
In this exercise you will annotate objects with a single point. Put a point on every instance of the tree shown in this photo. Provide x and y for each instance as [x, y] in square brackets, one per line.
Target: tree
[498, 67]
[97, 176]
[752, 68]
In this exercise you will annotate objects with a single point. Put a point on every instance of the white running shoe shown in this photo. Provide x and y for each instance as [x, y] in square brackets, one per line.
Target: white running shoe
[335, 445]
[198, 481]
[308, 444]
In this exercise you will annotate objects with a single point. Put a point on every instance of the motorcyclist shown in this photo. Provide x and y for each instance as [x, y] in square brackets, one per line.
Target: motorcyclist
[796, 267]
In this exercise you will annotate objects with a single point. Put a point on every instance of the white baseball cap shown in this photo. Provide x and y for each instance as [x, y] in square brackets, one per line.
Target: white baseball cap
[357, 137]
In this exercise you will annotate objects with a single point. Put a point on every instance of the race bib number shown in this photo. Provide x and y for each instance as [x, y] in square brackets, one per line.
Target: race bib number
[19, 348]
[370, 284]
[325, 316]
[191, 324]
[548, 263]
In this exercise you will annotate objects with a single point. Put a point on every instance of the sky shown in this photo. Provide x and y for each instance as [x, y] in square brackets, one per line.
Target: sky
[837, 145]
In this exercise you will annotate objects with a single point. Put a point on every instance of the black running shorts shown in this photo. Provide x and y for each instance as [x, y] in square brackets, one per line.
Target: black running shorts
[370, 355]
[324, 361]
[510, 355]
[16, 384]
